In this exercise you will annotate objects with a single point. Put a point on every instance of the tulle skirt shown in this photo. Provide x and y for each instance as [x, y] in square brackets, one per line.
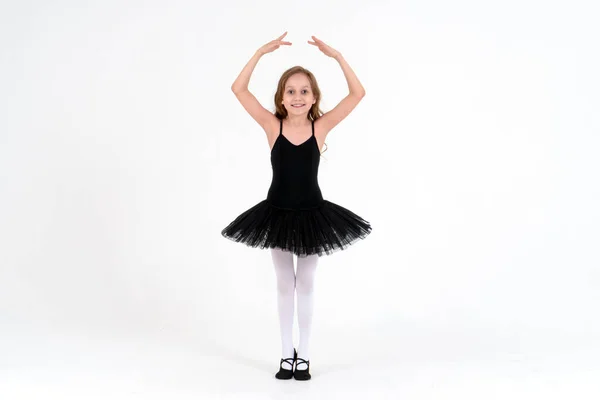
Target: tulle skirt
[320, 230]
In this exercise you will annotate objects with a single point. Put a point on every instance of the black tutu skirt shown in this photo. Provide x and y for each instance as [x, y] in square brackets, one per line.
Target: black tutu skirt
[320, 230]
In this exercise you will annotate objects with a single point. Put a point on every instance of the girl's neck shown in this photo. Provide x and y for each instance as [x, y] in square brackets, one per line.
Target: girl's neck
[299, 120]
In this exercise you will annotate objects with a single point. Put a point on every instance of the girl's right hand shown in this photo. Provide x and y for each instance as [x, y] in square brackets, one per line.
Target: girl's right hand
[273, 44]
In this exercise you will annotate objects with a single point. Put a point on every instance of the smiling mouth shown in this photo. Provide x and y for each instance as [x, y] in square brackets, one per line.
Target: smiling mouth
[298, 106]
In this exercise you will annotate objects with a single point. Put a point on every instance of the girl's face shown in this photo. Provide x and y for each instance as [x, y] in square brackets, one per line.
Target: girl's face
[297, 91]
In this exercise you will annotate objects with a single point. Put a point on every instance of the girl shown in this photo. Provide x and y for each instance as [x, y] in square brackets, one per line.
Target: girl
[294, 218]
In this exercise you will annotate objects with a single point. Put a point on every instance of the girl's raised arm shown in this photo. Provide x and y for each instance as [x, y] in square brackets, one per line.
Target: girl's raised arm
[240, 87]
[348, 103]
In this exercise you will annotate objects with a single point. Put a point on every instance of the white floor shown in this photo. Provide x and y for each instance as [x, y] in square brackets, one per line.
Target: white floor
[385, 366]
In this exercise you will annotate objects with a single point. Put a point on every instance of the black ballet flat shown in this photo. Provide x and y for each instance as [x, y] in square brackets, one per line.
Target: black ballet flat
[302, 374]
[286, 373]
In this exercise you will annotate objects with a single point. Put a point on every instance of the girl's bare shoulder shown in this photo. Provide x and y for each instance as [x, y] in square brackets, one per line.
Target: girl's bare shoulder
[320, 130]
[272, 130]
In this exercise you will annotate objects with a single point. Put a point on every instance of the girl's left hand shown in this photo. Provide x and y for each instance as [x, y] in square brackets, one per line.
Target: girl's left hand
[327, 50]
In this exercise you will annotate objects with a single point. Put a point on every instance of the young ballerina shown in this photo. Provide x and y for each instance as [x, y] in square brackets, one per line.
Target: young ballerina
[295, 218]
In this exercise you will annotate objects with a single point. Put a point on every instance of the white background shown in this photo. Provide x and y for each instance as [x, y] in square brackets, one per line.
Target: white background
[474, 155]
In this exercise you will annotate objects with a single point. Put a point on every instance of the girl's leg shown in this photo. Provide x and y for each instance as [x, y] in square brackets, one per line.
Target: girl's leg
[286, 282]
[305, 276]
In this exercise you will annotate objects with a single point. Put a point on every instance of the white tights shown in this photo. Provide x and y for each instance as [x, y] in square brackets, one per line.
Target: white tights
[303, 282]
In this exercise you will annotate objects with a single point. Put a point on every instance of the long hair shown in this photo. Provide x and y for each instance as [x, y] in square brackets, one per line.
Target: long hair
[315, 112]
